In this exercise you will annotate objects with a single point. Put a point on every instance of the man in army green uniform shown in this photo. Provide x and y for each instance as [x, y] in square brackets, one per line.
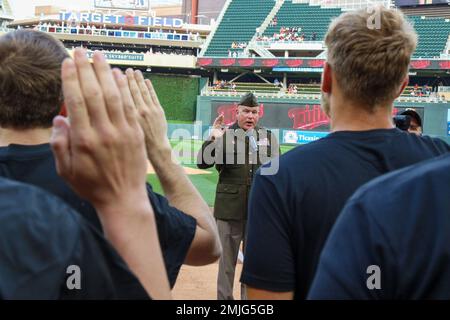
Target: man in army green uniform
[237, 152]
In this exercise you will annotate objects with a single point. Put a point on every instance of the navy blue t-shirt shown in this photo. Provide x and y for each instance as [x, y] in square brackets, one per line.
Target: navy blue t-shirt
[43, 240]
[392, 240]
[292, 212]
[35, 165]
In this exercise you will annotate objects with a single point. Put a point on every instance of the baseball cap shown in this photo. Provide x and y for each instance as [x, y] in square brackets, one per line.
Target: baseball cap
[249, 100]
[413, 114]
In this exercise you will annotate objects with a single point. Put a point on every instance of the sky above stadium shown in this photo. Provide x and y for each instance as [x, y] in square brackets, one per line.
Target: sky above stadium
[25, 8]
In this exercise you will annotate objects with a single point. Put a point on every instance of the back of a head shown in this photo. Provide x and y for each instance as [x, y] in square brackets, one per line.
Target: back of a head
[30, 79]
[369, 51]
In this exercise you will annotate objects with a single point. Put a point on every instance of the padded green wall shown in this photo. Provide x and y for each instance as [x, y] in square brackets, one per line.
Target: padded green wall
[177, 94]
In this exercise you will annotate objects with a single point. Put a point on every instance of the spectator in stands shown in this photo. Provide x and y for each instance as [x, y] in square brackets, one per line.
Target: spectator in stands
[292, 212]
[186, 230]
[314, 36]
[287, 34]
[276, 82]
[426, 90]
[402, 239]
[274, 22]
[436, 83]
[293, 89]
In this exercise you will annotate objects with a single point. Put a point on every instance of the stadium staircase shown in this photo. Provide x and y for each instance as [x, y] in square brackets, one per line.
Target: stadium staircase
[447, 48]
[213, 32]
[238, 24]
[263, 52]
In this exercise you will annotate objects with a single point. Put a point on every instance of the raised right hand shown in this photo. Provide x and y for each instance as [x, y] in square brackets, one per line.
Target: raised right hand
[218, 129]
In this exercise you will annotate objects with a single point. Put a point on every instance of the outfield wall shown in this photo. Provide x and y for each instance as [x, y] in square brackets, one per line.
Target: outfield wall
[306, 118]
[177, 94]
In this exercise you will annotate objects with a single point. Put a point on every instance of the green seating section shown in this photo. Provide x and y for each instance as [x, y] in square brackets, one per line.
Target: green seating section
[433, 34]
[239, 24]
[260, 87]
[243, 17]
[309, 18]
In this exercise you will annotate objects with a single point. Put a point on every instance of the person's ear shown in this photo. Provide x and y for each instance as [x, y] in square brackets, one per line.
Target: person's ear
[326, 79]
[404, 84]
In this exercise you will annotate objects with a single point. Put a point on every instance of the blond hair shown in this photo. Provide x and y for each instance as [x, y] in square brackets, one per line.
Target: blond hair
[369, 51]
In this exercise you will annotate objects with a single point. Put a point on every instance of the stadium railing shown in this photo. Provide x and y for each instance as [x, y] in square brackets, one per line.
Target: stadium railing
[120, 33]
[310, 92]
[268, 43]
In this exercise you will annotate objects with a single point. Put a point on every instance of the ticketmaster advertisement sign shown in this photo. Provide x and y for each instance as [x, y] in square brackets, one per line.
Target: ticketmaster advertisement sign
[302, 137]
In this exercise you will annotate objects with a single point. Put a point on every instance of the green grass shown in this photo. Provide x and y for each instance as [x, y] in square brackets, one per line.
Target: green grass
[180, 122]
[205, 183]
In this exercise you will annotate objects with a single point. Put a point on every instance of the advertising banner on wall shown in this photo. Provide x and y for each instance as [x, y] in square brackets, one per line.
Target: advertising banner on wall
[301, 137]
[301, 116]
[301, 65]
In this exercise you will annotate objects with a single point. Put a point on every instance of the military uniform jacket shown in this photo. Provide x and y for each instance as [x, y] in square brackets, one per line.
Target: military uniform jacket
[236, 161]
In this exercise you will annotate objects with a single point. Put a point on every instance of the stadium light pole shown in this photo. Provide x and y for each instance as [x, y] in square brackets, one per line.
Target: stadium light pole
[200, 17]
[194, 11]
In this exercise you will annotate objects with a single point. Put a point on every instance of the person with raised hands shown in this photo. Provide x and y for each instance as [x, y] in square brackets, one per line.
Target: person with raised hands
[178, 189]
[47, 249]
[25, 154]
[101, 154]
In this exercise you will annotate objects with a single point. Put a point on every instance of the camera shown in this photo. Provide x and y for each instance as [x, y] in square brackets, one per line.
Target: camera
[402, 122]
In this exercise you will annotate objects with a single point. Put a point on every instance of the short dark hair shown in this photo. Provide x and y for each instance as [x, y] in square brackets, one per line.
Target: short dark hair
[30, 79]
